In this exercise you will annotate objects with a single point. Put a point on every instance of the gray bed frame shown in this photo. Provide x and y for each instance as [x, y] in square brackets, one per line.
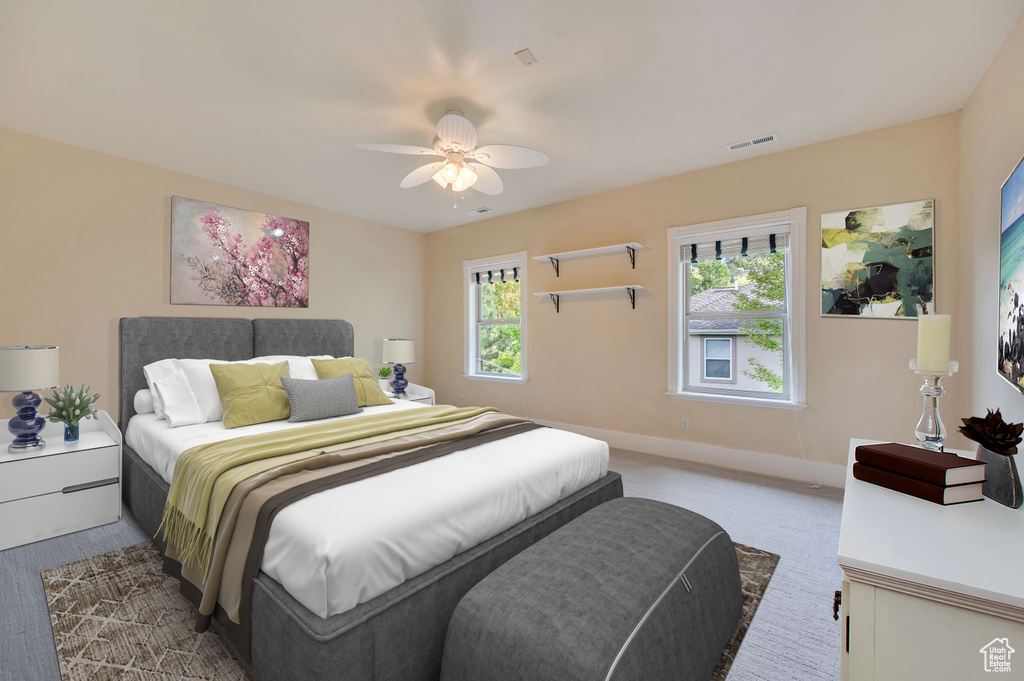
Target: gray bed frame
[398, 636]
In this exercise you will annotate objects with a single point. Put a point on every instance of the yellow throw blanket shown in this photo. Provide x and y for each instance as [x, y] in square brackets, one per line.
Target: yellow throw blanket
[205, 475]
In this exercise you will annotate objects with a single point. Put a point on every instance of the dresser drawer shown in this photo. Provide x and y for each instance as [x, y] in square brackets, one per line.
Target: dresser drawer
[50, 515]
[46, 474]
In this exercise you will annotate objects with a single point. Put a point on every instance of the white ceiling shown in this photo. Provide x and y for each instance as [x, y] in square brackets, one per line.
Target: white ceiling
[272, 96]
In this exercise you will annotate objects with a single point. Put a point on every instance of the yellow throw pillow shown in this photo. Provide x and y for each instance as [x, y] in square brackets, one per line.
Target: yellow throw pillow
[367, 389]
[251, 393]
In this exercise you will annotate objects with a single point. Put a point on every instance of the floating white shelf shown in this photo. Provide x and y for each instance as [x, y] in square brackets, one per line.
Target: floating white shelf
[555, 258]
[630, 289]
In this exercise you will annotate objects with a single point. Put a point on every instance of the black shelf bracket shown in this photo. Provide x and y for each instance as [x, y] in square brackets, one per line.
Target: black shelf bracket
[632, 255]
[554, 297]
[632, 296]
[554, 263]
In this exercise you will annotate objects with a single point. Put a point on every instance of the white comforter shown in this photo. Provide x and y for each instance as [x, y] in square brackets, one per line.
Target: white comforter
[345, 546]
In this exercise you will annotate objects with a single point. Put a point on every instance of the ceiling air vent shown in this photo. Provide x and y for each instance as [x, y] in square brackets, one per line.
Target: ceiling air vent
[754, 142]
[479, 211]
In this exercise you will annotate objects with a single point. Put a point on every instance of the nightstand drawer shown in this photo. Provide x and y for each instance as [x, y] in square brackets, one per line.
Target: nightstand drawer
[46, 474]
[50, 515]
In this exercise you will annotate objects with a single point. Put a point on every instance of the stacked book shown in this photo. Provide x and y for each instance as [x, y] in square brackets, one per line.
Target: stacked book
[939, 477]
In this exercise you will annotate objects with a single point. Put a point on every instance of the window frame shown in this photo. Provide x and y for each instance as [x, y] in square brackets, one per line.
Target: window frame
[794, 324]
[704, 378]
[471, 320]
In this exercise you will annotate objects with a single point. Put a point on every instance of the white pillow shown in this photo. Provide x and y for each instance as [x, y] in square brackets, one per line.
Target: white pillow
[298, 365]
[155, 372]
[204, 388]
[180, 406]
[144, 402]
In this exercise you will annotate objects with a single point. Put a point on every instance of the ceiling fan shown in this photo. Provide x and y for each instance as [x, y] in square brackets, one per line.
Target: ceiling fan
[464, 164]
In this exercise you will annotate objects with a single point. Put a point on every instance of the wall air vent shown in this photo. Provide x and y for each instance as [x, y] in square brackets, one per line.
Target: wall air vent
[479, 211]
[754, 142]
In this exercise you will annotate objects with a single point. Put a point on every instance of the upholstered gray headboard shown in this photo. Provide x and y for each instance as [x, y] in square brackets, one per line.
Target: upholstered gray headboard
[302, 337]
[148, 339]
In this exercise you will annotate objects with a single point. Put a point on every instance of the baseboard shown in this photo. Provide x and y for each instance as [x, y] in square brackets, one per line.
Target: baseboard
[791, 468]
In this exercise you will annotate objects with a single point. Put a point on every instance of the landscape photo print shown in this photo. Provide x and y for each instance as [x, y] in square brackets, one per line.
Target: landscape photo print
[229, 256]
[1011, 278]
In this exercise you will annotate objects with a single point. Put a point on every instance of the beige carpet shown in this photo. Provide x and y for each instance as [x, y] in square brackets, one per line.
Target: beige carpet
[117, 616]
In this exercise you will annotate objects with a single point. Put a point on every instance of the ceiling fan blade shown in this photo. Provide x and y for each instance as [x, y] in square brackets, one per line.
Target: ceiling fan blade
[487, 181]
[455, 130]
[421, 175]
[400, 149]
[509, 156]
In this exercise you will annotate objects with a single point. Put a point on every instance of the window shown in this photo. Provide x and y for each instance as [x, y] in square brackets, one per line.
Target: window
[718, 359]
[495, 328]
[737, 308]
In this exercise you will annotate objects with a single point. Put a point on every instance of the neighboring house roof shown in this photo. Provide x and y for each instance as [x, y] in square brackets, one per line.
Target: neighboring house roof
[716, 300]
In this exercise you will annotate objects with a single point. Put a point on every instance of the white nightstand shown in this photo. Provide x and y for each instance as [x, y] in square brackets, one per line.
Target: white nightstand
[416, 393]
[926, 587]
[62, 488]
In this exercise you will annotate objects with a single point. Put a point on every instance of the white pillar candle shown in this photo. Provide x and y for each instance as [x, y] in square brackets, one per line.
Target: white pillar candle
[933, 343]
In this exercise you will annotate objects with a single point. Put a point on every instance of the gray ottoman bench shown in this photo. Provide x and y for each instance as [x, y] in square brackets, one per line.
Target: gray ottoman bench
[634, 589]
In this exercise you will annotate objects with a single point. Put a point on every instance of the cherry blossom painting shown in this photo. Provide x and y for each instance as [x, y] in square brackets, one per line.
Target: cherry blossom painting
[229, 256]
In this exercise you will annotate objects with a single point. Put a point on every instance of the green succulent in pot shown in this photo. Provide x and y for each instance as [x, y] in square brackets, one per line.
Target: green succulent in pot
[993, 433]
[384, 373]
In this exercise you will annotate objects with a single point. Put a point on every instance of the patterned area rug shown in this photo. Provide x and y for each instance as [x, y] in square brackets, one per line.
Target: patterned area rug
[756, 570]
[118, 616]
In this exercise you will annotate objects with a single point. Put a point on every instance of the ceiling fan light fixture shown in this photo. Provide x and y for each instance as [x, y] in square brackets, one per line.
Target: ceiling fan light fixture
[450, 172]
[467, 176]
[463, 163]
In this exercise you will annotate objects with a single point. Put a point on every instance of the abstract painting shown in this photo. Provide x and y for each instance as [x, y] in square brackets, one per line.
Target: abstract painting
[229, 256]
[878, 262]
[1011, 279]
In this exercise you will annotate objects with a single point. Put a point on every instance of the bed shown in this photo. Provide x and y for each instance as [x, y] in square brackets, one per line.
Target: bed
[398, 634]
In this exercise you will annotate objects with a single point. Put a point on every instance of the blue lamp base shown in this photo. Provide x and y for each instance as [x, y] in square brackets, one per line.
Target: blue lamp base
[26, 426]
[398, 382]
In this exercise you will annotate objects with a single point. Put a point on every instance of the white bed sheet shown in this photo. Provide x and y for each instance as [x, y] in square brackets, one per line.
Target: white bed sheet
[347, 545]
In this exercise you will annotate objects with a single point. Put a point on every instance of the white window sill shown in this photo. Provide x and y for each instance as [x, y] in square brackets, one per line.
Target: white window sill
[496, 379]
[744, 401]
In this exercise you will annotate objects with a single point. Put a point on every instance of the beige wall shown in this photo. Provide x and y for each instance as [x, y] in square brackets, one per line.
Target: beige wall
[991, 144]
[600, 364]
[86, 241]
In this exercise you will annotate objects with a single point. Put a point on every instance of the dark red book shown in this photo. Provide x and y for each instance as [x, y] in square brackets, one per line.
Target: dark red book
[938, 468]
[939, 494]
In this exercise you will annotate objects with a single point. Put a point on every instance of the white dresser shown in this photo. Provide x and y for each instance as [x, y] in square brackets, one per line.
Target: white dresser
[927, 587]
[62, 488]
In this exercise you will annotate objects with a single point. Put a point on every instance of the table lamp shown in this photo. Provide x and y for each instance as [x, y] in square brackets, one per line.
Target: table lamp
[398, 351]
[25, 369]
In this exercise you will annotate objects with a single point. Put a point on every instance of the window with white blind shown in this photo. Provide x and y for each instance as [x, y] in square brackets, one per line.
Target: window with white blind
[737, 310]
[495, 289]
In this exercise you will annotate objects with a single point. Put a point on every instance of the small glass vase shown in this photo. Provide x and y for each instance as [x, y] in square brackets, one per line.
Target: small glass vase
[1002, 481]
[71, 433]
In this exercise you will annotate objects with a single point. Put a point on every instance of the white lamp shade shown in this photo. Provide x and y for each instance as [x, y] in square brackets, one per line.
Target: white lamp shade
[29, 367]
[399, 351]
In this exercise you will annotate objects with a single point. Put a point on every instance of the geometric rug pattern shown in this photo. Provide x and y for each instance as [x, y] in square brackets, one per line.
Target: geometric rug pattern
[756, 570]
[118, 617]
